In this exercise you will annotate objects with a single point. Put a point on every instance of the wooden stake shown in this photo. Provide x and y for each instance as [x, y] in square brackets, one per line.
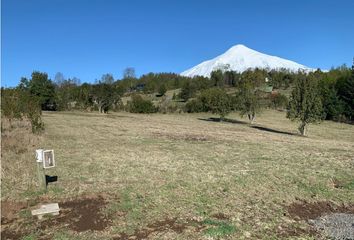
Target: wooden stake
[41, 176]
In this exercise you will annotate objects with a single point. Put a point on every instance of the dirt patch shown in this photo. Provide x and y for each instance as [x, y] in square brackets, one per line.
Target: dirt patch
[220, 216]
[184, 137]
[10, 210]
[10, 235]
[309, 211]
[9, 214]
[81, 215]
[306, 210]
[284, 231]
[161, 226]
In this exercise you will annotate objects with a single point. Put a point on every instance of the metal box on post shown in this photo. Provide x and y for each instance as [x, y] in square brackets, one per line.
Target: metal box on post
[48, 159]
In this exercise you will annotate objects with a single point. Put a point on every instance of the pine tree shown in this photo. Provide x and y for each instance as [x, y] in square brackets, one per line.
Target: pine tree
[345, 87]
[305, 103]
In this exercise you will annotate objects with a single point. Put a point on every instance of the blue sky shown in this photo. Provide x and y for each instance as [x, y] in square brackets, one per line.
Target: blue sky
[88, 38]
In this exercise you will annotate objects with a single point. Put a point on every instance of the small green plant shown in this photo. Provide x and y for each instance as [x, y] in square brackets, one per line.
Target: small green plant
[218, 228]
[25, 213]
[30, 237]
[349, 185]
[61, 235]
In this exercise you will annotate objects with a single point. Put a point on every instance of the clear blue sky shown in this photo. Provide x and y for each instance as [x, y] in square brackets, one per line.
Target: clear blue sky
[87, 38]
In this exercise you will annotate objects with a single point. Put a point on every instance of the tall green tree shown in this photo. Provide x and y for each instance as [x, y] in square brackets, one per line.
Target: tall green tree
[104, 95]
[188, 90]
[333, 107]
[217, 77]
[345, 86]
[305, 103]
[129, 76]
[66, 92]
[42, 87]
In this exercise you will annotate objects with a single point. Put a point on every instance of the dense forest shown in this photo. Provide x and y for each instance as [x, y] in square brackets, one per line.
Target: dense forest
[224, 91]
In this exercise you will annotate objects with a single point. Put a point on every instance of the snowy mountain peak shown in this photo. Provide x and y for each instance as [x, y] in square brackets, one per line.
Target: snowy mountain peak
[240, 58]
[239, 47]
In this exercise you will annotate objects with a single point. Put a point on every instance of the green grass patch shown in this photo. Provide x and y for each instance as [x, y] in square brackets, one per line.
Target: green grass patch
[349, 185]
[30, 237]
[218, 228]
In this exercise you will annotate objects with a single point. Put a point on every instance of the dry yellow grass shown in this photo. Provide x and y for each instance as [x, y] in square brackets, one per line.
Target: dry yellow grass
[181, 165]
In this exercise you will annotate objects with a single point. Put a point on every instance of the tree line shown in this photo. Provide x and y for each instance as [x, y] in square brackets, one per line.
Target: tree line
[308, 97]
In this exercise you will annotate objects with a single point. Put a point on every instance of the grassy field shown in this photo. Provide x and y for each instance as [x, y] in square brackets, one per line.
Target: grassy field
[179, 176]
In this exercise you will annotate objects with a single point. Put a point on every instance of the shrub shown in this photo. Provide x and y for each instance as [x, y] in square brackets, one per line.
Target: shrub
[140, 105]
[18, 104]
[188, 90]
[248, 101]
[10, 104]
[216, 101]
[167, 106]
[195, 106]
[278, 101]
[162, 90]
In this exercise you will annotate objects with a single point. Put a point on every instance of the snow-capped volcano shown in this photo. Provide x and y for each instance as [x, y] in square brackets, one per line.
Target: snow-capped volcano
[240, 58]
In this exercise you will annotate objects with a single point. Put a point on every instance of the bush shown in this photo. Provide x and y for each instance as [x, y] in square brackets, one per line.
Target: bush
[140, 105]
[278, 101]
[216, 101]
[162, 90]
[167, 106]
[36, 122]
[32, 110]
[248, 101]
[195, 106]
[18, 104]
[188, 90]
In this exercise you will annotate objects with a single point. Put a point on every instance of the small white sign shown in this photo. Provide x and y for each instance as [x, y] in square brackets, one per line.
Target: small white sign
[39, 155]
[48, 159]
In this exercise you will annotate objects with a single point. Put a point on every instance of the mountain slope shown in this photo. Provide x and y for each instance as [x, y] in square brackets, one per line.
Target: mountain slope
[240, 58]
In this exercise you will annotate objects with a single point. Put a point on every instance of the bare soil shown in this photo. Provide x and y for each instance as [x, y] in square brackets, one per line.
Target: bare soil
[308, 211]
[85, 214]
[10, 209]
[79, 215]
[304, 210]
